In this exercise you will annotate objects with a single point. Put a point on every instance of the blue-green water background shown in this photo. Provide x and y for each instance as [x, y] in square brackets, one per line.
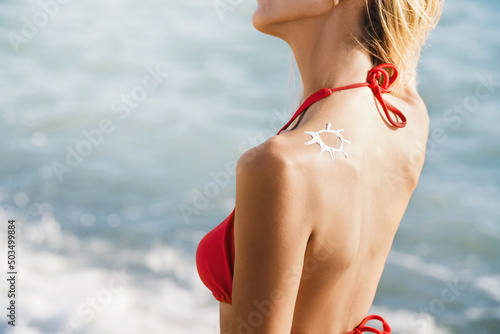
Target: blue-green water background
[119, 208]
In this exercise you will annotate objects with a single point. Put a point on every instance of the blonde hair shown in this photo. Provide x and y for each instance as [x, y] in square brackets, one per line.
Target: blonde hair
[395, 31]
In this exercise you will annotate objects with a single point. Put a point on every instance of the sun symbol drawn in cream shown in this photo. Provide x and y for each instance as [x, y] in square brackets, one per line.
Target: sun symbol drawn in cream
[317, 139]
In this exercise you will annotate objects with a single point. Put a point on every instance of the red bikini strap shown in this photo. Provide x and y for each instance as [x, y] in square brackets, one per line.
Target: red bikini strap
[378, 88]
[385, 87]
[373, 81]
[320, 94]
[362, 328]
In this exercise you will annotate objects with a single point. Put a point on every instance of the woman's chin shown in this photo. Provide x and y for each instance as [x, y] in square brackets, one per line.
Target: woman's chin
[258, 20]
[264, 23]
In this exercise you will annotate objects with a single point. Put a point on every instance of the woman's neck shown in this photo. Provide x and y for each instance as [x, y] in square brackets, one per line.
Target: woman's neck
[326, 53]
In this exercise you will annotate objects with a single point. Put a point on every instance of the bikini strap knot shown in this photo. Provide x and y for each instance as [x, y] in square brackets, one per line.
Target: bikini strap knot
[380, 83]
[378, 72]
[362, 328]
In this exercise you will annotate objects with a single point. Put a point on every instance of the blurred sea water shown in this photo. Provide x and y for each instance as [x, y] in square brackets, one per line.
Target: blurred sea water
[116, 115]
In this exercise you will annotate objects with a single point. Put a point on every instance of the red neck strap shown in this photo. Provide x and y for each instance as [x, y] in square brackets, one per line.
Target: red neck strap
[378, 88]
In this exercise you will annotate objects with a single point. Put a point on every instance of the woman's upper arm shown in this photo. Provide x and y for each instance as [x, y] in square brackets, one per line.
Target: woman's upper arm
[270, 242]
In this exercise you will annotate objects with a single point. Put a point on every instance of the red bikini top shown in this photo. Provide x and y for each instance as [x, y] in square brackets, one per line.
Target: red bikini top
[215, 253]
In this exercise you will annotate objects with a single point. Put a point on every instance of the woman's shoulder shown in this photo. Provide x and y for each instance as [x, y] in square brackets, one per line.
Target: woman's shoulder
[269, 158]
[270, 182]
[287, 161]
[408, 144]
[415, 105]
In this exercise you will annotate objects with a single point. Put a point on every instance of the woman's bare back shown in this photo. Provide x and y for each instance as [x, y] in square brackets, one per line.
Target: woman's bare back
[354, 204]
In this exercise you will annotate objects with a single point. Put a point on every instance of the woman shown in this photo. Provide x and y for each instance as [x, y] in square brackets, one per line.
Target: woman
[306, 245]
